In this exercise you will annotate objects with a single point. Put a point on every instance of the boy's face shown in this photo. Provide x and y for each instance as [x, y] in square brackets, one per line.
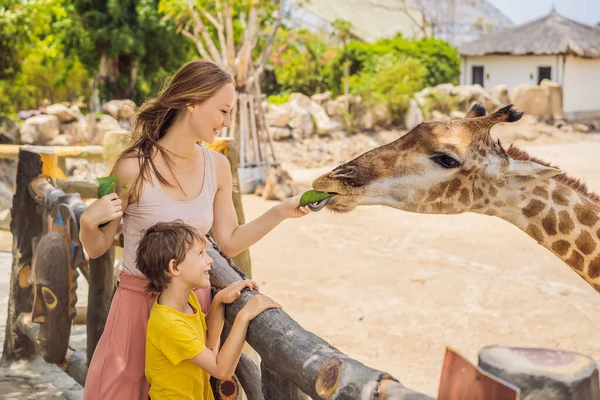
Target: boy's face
[196, 266]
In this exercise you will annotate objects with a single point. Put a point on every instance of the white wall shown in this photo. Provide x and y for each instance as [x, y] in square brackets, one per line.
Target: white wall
[510, 70]
[581, 89]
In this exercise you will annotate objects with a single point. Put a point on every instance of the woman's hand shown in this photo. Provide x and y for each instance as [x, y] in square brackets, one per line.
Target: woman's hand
[105, 209]
[290, 208]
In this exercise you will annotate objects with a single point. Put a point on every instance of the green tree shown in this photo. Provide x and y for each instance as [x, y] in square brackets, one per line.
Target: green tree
[133, 47]
[236, 34]
[342, 30]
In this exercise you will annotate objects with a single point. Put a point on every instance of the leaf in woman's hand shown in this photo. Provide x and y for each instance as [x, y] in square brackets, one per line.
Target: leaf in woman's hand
[106, 185]
[313, 196]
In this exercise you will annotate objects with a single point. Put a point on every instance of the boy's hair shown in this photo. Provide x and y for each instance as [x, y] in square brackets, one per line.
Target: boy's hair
[161, 243]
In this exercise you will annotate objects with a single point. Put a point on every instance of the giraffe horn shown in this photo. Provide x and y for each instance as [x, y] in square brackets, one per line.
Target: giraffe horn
[505, 114]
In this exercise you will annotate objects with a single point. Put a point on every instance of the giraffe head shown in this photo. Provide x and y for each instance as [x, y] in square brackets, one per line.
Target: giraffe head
[443, 168]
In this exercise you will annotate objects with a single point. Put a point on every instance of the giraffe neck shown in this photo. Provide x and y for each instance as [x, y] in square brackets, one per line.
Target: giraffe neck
[561, 219]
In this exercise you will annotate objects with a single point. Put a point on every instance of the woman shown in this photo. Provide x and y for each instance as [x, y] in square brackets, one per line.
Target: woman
[165, 175]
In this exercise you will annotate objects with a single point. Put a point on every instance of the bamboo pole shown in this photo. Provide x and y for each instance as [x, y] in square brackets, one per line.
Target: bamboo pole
[257, 153]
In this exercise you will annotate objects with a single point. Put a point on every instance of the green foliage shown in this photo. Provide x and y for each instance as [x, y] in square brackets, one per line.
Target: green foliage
[300, 60]
[442, 103]
[441, 60]
[389, 79]
[313, 196]
[280, 98]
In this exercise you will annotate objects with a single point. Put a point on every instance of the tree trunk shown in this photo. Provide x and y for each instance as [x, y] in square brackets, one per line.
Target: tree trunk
[543, 373]
[26, 227]
[302, 358]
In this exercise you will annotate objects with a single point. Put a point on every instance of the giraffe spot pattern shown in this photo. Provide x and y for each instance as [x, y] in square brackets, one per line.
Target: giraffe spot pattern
[533, 208]
[464, 196]
[549, 222]
[565, 223]
[535, 233]
[499, 203]
[453, 187]
[477, 194]
[594, 269]
[584, 215]
[541, 191]
[436, 192]
[491, 212]
[493, 191]
[575, 261]
[585, 243]
[561, 247]
[560, 196]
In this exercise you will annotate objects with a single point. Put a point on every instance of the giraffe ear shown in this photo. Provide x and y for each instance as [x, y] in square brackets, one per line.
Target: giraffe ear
[531, 170]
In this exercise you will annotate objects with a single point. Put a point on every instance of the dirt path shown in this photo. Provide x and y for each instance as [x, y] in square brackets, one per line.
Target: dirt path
[393, 289]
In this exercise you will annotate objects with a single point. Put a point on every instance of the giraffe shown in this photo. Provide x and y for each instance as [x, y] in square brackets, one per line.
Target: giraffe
[456, 167]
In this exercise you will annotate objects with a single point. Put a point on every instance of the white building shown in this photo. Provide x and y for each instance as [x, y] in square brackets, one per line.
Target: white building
[552, 47]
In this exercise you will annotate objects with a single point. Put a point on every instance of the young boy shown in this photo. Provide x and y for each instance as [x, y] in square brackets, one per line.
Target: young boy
[181, 343]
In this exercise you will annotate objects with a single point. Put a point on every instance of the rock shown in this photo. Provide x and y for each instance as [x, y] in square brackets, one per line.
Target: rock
[302, 124]
[413, 116]
[543, 101]
[40, 129]
[279, 185]
[366, 121]
[581, 128]
[8, 171]
[500, 93]
[6, 196]
[75, 131]
[9, 131]
[278, 117]
[381, 115]
[25, 114]
[119, 109]
[113, 144]
[457, 114]
[280, 133]
[61, 140]
[333, 108]
[438, 116]
[300, 103]
[97, 126]
[321, 98]
[555, 99]
[62, 112]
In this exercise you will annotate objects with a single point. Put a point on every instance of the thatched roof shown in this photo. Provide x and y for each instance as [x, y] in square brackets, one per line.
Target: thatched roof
[553, 34]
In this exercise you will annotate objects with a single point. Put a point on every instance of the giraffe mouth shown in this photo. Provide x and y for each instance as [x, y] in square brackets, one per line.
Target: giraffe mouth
[319, 205]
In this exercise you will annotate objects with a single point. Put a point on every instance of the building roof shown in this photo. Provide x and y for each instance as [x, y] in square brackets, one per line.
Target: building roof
[552, 34]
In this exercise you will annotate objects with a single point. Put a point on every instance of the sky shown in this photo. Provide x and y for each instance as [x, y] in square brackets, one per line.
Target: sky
[520, 11]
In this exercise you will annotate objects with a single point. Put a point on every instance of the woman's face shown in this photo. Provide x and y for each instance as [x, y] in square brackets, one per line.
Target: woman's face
[208, 118]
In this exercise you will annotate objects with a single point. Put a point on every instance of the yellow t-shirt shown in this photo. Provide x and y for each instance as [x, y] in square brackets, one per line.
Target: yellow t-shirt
[172, 339]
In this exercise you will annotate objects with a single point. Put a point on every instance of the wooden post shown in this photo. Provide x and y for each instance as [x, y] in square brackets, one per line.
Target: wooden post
[99, 298]
[274, 387]
[543, 373]
[26, 227]
[228, 147]
[248, 374]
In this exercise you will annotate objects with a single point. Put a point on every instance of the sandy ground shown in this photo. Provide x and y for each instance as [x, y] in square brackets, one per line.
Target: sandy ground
[393, 289]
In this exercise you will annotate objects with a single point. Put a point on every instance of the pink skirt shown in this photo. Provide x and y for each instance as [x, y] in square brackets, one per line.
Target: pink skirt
[116, 370]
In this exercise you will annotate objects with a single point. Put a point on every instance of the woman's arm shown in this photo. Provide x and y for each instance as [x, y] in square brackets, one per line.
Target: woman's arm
[234, 239]
[96, 241]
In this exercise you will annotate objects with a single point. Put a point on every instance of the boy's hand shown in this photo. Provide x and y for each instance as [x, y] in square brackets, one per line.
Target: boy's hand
[232, 292]
[255, 306]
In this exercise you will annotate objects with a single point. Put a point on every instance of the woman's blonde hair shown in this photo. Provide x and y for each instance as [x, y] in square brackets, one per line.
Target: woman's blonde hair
[194, 83]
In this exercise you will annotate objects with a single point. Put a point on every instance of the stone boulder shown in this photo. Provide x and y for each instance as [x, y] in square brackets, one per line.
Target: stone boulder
[41, 129]
[119, 109]
[532, 100]
[97, 126]
[9, 131]
[500, 93]
[299, 103]
[113, 144]
[6, 196]
[279, 134]
[278, 117]
[75, 130]
[321, 98]
[63, 113]
[278, 185]
[414, 115]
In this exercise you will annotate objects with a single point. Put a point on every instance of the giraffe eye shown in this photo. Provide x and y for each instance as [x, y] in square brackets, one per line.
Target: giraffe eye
[446, 161]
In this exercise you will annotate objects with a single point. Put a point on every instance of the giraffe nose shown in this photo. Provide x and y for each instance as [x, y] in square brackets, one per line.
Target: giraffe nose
[342, 171]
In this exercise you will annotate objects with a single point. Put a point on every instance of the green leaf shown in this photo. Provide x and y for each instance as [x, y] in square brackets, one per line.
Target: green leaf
[313, 196]
[106, 185]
